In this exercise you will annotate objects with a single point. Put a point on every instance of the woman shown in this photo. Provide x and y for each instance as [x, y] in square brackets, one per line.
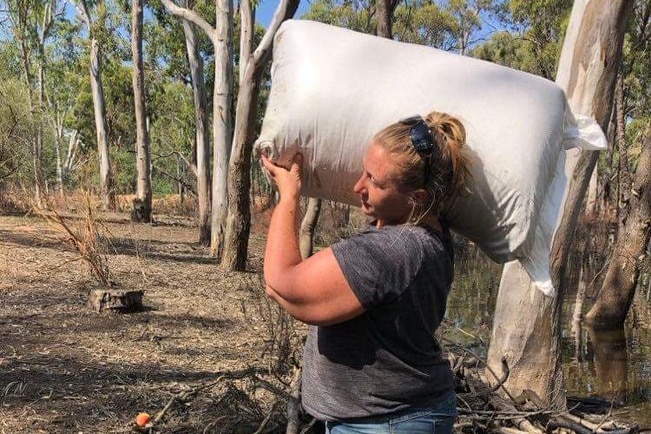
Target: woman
[371, 362]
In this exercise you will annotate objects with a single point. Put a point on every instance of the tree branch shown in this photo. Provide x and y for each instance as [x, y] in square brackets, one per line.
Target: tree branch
[191, 166]
[246, 37]
[168, 175]
[82, 10]
[191, 16]
[285, 10]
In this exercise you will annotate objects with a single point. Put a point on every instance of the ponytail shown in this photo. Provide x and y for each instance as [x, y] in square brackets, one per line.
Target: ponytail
[450, 136]
[447, 166]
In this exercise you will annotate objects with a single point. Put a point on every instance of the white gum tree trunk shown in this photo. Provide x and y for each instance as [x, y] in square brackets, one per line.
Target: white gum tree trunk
[201, 125]
[107, 194]
[222, 123]
[526, 328]
[221, 37]
[142, 204]
[308, 227]
[99, 109]
[238, 222]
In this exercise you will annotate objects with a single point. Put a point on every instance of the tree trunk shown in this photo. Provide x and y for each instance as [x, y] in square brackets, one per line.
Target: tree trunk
[23, 27]
[39, 177]
[607, 178]
[238, 222]
[222, 125]
[105, 182]
[142, 202]
[526, 329]
[247, 30]
[618, 288]
[73, 144]
[58, 138]
[47, 19]
[107, 194]
[624, 188]
[306, 233]
[221, 37]
[591, 205]
[384, 12]
[201, 125]
[581, 165]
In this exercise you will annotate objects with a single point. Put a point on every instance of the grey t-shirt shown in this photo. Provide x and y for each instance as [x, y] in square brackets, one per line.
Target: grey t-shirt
[386, 359]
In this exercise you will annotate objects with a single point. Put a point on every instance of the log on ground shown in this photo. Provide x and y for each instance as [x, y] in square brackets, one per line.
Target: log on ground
[112, 300]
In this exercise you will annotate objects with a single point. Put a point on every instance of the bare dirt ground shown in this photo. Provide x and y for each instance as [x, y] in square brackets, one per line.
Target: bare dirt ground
[208, 341]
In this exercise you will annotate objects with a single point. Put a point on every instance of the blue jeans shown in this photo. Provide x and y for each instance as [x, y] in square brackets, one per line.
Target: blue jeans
[437, 419]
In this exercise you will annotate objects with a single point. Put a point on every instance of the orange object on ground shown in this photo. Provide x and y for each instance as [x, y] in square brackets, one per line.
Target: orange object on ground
[142, 419]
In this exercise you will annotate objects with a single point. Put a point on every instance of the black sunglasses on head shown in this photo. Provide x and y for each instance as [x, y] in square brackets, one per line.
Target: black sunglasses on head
[421, 137]
[422, 140]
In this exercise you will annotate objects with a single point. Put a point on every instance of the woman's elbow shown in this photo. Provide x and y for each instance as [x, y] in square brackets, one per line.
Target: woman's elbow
[271, 293]
[297, 312]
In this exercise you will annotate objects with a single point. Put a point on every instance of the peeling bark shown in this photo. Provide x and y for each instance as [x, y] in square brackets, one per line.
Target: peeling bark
[629, 254]
[527, 324]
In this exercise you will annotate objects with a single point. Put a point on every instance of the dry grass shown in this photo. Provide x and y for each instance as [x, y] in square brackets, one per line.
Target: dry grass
[209, 343]
[87, 235]
[14, 201]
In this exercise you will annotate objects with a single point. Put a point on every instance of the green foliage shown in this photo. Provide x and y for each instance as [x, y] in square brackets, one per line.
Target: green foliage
[10, 66]
[355, 15]
[449, 25]
[535, 41]
[166, 43]
[171, 131]
[425, 23]
[529, 38]
[636, 66]
[123, 161]
[17, 129]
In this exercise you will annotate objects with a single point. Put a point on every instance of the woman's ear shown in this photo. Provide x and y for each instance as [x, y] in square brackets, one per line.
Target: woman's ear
[421, 197]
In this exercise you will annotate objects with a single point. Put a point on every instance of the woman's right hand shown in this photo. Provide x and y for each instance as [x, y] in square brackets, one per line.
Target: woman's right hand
[287, 181]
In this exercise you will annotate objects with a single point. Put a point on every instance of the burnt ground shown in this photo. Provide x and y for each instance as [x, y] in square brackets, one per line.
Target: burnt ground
[209, 350]
[208, 341]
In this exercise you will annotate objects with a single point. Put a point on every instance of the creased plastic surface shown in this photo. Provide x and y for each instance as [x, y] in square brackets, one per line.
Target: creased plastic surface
[333, 88]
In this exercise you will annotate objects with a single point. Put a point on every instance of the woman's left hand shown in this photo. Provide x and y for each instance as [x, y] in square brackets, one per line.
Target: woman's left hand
[289, 181]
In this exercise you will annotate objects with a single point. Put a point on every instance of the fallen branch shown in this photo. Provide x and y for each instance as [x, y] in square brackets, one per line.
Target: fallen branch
[578, 429]
[267, 418]
[183, 396]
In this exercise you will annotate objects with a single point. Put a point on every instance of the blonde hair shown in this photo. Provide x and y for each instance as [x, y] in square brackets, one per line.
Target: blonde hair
[448, 163]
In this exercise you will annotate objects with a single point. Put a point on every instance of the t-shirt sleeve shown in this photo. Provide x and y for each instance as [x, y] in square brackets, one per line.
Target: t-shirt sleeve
[378, 264]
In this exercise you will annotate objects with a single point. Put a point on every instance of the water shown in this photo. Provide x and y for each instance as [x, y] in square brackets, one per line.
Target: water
[614, 364]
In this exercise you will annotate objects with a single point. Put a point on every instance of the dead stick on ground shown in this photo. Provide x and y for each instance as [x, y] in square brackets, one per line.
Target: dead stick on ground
[309, 426]
[293, 403]
[507, 430]
[578, 429]
[584, 423]
[521, 422]
[504, 364]
[183, 396]
[603, 421]
[267, 418]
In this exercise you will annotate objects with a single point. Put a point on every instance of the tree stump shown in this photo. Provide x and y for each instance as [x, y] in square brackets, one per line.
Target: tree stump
[114, 300]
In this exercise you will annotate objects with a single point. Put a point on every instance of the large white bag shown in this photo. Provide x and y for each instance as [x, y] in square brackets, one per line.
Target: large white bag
[333, 89]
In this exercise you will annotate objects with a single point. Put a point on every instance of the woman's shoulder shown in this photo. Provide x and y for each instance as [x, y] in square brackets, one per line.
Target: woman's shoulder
[405, 235]
[411, 230]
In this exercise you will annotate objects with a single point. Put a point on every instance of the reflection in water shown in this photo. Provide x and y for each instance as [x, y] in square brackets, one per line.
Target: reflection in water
[610, 362]
[577, 317]
[612, 365]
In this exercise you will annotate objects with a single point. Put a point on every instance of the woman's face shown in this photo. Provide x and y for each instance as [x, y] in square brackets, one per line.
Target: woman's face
[379, 190]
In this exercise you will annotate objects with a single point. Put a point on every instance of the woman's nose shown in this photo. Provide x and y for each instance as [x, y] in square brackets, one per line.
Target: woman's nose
[359, 185]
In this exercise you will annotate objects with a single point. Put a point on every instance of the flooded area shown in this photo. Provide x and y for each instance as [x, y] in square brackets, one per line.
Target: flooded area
[610, 364]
